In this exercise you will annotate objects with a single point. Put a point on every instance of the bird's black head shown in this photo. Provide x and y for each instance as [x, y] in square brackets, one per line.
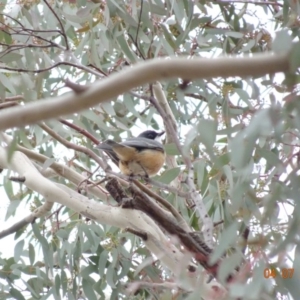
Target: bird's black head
[151, 134]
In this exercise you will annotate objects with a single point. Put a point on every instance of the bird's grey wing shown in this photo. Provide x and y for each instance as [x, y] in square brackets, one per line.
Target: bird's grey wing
[106, 146]
[143, 143]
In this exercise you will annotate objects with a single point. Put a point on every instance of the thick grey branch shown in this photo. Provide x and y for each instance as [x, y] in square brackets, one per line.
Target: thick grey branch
[139, 74]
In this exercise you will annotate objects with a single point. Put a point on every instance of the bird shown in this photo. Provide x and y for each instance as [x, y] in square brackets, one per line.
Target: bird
[142, 155]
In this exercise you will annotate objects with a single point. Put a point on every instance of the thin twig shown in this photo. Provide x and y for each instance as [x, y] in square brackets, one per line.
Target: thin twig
[80, 130]
[248, 2]
[137, 32]
[14, 98]
[81, 67]
[73, 146]
[8, 104]
[63, 33]
[143, 235]
[22, 26]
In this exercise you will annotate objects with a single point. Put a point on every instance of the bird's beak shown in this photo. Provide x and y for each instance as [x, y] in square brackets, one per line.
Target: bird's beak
[161, 133]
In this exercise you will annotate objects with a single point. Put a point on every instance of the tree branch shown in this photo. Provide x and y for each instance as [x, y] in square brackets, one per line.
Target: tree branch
[165, 203]
[156, 241]
[139, 74]
[60, 169]
[200, 250]
[38, 212]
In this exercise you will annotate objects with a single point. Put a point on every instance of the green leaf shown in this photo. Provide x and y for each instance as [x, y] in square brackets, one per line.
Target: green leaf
[227, 239]
[38, 235]
[294, 57]
[29, 285]
[103, 262]
[111, 276]
[169, 175]
[57, 284]
[126, 265]
[256, 287]
[13, 205]
[24, 138]
[71, 296]
[168, 36]
[282, 42]
[146, 22]
[207, 130]
[179, 11]
[248, 46]
[62, 233]
[39, 134]
[237, 195]
[157, 9]
[113, 5]
[128, 19]
[31, 253]
[228, 172]
[12, 148]
[125, 48]
[107, 107]
[189, 139]
[19, 248]
[87, 231]
[88, 289]
[243, 96]
[199, 167]
[8, 39]
[48, 162]
[237, 35]
[291, 282]
[11, 57]
[87, 271]
[229, 264]
[171, 149]
[8, 84]
[271, 158]
[222, 160]
[16, 294]
[64, 282]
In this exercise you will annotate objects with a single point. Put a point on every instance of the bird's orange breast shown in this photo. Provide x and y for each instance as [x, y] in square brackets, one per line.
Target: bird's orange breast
[146, 162]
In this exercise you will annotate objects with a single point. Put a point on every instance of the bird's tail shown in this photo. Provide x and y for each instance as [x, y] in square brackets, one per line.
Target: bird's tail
[107, 147]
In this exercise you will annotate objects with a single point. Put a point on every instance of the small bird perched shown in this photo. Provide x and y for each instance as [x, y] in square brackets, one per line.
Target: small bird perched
[142, 155]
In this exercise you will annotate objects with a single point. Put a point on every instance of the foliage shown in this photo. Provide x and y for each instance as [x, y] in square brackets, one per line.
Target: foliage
[242, 135]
